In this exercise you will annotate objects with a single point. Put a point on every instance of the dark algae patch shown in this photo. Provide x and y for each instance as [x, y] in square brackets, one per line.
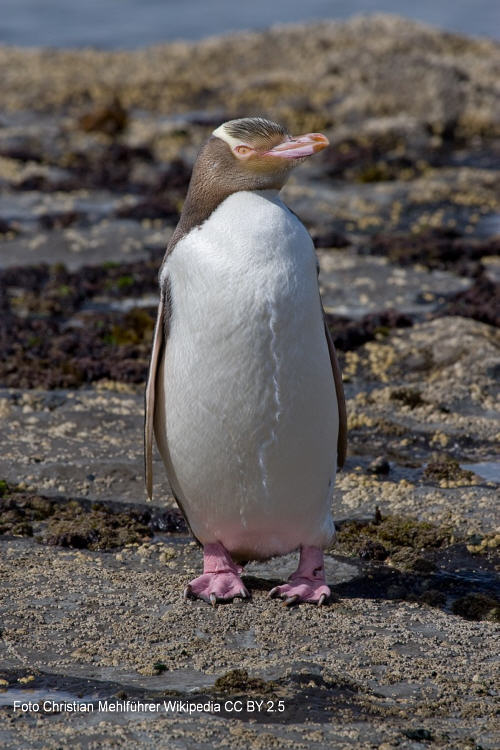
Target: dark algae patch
[47, 290]
[390, 533]
[439, 248]
[477, 607]
[110, 118]
[350, 334]
[20, 513]
[49, 339]
[480, 302]
[408, 396]
[403, 558]
[303, 695]
[443, 467]
[48, 353]
[80, 524]
[238, 681]
[97, 529]
[134, 329]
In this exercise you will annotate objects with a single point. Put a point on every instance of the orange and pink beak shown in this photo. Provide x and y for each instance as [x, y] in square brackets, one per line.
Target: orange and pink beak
[299, 147]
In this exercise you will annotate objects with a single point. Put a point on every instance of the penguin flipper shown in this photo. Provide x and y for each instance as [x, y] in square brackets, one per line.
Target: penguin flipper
[339, 390]
[158, 343]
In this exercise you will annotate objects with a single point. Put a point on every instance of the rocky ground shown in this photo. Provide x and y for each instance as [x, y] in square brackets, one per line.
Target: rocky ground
[95, 156]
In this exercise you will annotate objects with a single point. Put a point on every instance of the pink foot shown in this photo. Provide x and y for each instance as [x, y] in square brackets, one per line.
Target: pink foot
[220, 580]
[308, 583]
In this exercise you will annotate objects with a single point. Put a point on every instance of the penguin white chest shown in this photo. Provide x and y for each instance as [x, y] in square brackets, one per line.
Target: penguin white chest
[247, 419]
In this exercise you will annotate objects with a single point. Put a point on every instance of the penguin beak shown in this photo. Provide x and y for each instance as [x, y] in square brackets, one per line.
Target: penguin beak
[299, 147]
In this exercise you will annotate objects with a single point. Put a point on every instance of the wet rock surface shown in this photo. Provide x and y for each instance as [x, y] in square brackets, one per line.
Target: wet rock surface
[96, 151]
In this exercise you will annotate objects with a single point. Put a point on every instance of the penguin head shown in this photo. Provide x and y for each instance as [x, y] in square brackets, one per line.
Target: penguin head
[253, 153]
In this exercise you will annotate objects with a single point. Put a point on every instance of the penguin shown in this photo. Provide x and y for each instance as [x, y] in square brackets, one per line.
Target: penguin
[244, 394]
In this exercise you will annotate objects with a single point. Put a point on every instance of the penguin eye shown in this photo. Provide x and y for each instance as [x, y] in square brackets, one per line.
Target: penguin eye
[243, 150]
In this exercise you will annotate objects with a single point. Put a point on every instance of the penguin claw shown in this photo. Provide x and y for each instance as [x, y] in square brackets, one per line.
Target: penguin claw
[243, 593]
[297, 592]
[213, 599]
[188, 592]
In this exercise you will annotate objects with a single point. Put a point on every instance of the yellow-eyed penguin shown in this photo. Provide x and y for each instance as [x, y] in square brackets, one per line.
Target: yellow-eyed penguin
[244, 393]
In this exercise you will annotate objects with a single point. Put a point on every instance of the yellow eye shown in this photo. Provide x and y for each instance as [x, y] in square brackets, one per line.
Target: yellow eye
[242, 150]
